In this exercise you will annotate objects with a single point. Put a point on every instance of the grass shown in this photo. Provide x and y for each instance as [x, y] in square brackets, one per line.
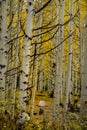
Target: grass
[65, 120]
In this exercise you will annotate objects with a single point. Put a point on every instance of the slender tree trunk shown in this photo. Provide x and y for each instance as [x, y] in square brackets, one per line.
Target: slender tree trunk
[70, 57]
[62, 5]
[59, 56]
[25, 58]
[3, 47]
[34, 71]
[56, 87]
[83, 109]
[79, 84]
[0, 60]
[41, 57]
[0, 31]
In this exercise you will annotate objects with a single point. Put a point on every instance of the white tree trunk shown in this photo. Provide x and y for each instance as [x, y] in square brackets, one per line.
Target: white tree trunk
[41, 57]
[59, 56]
[25, 60]
[83, 109]
[0, 59]
[0, 47]
[56, 87]
[34, 70]
[70, 57]
[62, 5]
[3, 47]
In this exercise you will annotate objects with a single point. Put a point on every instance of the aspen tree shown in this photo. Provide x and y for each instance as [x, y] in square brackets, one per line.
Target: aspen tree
[10, 74]
[54, 42]
[34, 70]
[75, 60]
[0, 44]
[68, 83]
[3, 47]
[0, 57]
[25, 57]
[58, 81]
[62, 8]
[51, 59]
[41, 60]
[83, 109]
[56, 89]
[59, 56]
[80, 43]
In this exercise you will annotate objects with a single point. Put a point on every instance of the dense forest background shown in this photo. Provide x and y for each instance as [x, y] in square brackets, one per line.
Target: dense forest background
[43, 57]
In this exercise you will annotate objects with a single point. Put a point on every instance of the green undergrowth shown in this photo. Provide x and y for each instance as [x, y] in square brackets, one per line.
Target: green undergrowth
[71, 122]
[65, 120]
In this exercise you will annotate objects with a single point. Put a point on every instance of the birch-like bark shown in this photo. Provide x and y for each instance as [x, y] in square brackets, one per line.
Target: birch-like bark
[83, 109]
[70, 57]
[3, 47]
[0, 47]
[0, 58]
[76, 82]
[34, 70]
[56, 89]
[52, 59]
[62, 8]
[25, 58]
[41, 57]
[81, 52]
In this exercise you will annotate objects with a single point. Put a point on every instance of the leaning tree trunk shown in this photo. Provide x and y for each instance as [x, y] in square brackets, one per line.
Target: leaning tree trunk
[83, 109]
[3, 48]
[68, 83]
[25, 57]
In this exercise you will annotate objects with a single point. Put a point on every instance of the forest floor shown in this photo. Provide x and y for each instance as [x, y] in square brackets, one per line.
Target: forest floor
[43, 121]
[66, 121]
[48, 109]
[44, 118]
